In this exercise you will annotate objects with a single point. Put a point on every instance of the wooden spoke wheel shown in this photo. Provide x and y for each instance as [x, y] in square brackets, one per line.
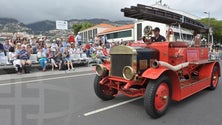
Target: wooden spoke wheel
[103, 91]
[157, 96]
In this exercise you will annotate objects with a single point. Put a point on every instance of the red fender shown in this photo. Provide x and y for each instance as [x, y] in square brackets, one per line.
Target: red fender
[207, 69]
[153, 74]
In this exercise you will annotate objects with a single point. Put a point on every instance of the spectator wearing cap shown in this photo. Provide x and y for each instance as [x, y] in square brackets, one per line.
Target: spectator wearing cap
[24, 57]
[41, 42]
[157, 37]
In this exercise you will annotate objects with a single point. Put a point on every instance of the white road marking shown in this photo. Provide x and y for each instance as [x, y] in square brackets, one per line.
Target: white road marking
[112, 106]
[46, 79]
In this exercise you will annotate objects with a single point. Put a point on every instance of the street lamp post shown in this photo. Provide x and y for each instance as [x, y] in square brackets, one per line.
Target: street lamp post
[208, 39]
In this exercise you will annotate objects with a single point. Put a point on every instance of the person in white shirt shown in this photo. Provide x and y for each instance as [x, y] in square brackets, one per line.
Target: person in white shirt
[54, 47]
[79, 39]
[12, 55]
[72, 49]
[13, 59]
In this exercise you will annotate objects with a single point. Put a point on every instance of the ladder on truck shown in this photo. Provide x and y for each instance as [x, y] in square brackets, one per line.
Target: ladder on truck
[164, 16]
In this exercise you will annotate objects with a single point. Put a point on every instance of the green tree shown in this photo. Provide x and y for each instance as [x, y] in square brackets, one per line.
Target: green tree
[216, 26]
[76, 28]
[81, 26]
[86, 25]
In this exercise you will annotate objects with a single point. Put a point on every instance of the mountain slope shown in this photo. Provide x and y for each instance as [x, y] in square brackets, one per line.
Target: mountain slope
[12, 25]
[42, 26]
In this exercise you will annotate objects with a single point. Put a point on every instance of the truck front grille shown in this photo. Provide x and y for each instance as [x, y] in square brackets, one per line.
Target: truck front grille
[118, 62]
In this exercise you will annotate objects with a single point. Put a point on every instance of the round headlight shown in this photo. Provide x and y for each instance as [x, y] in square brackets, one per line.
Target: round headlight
[101, 70]
[128, 73]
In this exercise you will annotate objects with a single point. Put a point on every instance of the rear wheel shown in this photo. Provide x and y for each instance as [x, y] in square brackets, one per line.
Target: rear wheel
[214, 78]
[157, 97]
[103, 91]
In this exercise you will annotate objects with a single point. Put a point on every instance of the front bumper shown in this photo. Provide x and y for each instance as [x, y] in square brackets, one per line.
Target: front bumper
[124, 86]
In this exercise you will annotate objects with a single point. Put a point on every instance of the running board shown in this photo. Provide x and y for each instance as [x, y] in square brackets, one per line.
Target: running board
[192, 88]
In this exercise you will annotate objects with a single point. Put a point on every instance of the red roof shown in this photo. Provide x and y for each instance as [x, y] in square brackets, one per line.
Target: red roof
[104, 25]
[113, 29]
[101, 25]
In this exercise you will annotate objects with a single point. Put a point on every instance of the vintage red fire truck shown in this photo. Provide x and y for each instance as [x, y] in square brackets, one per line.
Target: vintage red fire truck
[160, 71]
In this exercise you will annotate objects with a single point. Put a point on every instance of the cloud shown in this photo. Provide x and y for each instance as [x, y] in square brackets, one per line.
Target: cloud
[35, 10]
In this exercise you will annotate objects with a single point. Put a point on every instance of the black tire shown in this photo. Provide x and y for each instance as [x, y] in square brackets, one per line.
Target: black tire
[100, 92]
[150, 94]
[213, 85]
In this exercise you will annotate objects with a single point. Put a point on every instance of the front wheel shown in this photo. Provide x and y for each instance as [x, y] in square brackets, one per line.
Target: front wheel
[157, 96]
[104, 92]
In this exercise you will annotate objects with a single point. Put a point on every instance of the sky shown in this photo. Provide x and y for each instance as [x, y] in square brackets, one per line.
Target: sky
[29, 11]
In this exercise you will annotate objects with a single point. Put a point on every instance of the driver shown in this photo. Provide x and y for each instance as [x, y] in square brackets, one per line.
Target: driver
[157, 37]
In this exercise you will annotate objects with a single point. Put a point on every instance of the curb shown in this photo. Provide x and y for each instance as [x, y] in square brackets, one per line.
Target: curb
[40, 75]
[9, 69]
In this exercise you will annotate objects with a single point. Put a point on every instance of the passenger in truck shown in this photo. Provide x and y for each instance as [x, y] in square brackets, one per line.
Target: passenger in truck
[157, 37]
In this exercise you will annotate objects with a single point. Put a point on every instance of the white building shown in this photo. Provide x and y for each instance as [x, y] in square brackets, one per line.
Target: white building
[90, 33]
[121, 33]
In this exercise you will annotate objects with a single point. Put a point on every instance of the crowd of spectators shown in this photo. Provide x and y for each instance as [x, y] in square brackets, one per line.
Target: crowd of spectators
[59, 52]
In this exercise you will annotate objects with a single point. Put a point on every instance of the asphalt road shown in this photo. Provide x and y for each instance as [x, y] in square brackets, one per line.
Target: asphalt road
[66, 101]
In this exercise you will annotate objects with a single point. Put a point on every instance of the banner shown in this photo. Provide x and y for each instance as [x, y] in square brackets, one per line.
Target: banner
[61, 25]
